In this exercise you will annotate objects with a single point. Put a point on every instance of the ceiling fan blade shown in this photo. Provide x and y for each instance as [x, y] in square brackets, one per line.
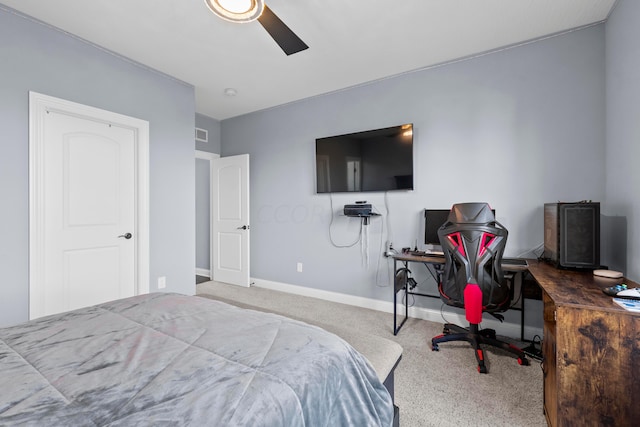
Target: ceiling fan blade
[278, 30]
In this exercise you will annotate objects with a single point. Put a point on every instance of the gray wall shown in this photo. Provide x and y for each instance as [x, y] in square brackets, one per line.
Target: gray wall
[516, 128]
[623, 136]
[203, 214]
[36, 57]
[213, 126]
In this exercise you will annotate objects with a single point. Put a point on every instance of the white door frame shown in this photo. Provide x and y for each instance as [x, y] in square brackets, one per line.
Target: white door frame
[205, 155]
[39, 105]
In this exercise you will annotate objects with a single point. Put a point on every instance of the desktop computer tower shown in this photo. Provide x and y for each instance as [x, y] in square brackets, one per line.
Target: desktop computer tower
[572, 234]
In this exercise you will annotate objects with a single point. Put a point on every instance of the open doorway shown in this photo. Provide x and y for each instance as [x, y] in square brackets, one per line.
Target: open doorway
[204, 166]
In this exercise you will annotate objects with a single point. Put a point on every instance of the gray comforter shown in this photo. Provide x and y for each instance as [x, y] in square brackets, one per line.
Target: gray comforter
[167, 359]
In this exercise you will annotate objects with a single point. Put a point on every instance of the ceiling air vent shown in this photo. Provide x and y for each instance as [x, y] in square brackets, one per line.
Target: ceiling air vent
[202, 135]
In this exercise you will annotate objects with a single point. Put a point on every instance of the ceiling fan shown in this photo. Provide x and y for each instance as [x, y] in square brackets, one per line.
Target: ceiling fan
[243, 11]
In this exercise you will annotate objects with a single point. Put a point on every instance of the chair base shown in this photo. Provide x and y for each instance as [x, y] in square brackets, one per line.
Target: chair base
[475, 337]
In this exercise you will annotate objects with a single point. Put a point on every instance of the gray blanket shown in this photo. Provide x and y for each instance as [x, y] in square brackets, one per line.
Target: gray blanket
[167, 359]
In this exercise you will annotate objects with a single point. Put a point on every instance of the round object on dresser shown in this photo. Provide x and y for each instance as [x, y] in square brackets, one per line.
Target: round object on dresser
[611, 274]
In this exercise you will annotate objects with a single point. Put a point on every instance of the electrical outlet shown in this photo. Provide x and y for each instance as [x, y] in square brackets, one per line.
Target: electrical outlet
[299, 267]
[388, 251]
[162, 282]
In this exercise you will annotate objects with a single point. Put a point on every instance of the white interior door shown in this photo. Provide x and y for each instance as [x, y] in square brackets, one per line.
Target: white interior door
[86, 228]
[230, 219]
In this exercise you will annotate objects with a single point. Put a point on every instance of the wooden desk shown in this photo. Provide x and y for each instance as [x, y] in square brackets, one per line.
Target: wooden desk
[591, 350]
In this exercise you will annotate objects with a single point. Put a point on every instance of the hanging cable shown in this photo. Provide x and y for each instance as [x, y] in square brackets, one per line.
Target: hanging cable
[331, 224]
[363, 242]
[366, 234]
[380, 256]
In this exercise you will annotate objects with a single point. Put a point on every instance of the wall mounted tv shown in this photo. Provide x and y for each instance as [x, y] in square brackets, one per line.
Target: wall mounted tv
[374, 160]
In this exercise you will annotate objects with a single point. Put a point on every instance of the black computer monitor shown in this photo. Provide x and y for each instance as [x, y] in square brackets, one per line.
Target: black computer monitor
[433, 220]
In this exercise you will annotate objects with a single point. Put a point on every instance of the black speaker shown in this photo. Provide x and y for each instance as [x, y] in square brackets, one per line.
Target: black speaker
[572, 234]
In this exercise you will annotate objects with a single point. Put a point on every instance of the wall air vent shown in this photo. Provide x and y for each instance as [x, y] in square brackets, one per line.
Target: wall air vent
[202, 135]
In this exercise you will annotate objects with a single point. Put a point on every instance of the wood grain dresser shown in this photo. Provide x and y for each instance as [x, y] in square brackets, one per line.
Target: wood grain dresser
[591, 350]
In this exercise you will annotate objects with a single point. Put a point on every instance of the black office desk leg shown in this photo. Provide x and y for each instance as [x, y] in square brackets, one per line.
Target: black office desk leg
[396, 327]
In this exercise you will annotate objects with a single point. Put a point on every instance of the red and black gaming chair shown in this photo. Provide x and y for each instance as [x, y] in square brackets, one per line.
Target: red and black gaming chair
[473, 243]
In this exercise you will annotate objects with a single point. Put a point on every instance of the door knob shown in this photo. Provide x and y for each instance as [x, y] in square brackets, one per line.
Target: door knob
[126, 236]
[244, 227]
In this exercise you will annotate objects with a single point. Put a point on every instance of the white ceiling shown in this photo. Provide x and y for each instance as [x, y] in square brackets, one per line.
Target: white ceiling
[351, 42]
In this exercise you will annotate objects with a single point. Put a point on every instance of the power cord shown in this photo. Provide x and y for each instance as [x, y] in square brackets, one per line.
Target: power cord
[406, 299]
[331, 224]
[534, 349]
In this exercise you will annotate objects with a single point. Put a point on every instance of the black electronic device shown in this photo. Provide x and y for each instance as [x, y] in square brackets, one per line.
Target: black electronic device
[534, 350]
[572, 234]
[433, 220]
[519, 262]
[374, 160]
[418, 253]
[622, 291]
[359, 209]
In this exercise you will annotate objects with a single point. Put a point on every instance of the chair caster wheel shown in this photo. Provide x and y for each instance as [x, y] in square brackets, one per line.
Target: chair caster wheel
[434, 347]
[488, 333]
[446, 331]
[522, 361]
[482, 369]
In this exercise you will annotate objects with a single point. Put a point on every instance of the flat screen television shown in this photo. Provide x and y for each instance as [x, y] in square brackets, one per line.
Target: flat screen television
[374, 160]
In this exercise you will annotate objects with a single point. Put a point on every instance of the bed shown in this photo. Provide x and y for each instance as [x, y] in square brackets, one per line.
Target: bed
[169, 359]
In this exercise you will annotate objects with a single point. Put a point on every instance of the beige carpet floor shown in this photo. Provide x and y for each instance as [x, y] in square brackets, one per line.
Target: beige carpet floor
[432, 388]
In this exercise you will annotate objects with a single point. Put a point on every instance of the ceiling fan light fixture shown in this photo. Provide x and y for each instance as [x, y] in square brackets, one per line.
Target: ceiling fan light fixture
[236, 10]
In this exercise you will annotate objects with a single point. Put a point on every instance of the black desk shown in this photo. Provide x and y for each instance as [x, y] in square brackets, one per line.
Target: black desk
[435, 265]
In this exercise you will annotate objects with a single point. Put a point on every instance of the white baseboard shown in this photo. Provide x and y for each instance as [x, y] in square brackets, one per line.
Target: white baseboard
[203, 272]
[325, 295]
[506, 329]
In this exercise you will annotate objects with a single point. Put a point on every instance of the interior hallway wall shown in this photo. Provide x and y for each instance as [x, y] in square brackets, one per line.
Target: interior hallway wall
[37, 57]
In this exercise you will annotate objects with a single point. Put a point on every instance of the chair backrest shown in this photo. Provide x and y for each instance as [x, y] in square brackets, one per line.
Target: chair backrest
[473, 243]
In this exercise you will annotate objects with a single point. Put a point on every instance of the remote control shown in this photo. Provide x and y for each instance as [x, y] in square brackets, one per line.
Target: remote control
[621, 291]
